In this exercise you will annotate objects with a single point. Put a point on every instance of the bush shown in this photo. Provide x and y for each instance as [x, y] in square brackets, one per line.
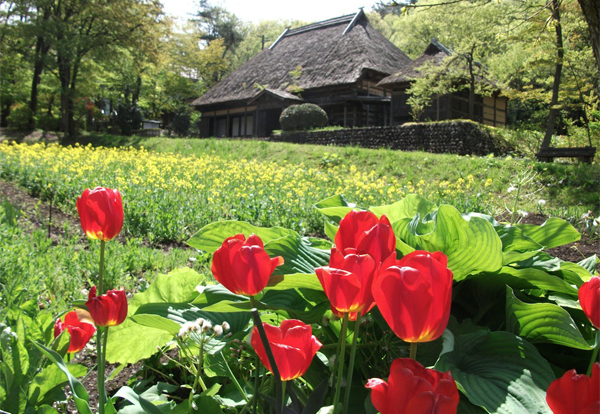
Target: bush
[47, 122]
[19, 117]
[129, 118]
[303, 116]
[181, 123]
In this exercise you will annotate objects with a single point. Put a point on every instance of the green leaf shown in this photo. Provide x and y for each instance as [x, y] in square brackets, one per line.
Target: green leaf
[179, 313]
[529, 279]
[554, 232]
[334, 208]
[141, 404]
[589, 264]
[542, 322]
[50, 378]
[80, 395]
[130, 342]
[293, 281]
[408, 207]
[500, 372]
[211, 237]
[513, 239]
[157, 322]
[299, 257]
[457, 238]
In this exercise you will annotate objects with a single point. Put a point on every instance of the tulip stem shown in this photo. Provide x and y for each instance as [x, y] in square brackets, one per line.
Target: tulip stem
[269, 352]
[340, 369]
[594, 354]
[413, 350]
[101, 270]
[101, 384]
[100, 341]
[256, 378]
[351, 366]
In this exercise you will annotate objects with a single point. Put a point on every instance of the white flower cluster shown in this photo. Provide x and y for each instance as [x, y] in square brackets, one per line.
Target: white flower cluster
[202, 326]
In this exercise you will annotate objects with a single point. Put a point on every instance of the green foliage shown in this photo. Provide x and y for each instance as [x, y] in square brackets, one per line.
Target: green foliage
[19, 117]
[303, 116]
[182, 122]
[129, 118]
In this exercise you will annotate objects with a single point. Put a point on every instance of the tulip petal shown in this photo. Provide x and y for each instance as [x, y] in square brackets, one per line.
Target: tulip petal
[379, 394]
[589, 298]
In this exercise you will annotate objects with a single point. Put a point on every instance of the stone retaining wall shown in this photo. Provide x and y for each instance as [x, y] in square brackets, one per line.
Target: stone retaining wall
[453, 137]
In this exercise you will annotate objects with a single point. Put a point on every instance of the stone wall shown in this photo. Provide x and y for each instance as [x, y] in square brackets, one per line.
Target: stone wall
[451, 137]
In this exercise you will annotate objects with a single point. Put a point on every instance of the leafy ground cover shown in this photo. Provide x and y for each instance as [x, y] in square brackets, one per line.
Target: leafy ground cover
[500, 288]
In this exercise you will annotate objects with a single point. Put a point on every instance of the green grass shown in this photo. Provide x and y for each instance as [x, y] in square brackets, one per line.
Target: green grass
[562, 185]
[34, 267]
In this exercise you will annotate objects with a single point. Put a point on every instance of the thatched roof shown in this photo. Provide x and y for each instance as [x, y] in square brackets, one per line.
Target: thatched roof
[434, 55]
[332, 52]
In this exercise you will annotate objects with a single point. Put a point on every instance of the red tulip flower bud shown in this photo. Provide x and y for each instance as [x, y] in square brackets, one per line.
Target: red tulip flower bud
[80, 326]
[412, 388]
[101, 213]
[347, 282]
[293, 345]
[589, 298]
[414, 296]
[575, 393]
[366, 234]
[243, 266]
[109, 309]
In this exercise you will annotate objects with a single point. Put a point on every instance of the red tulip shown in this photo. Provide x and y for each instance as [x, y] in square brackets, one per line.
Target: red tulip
[589, 298]
[412, 388]
[293, 345]
[243, 266]
[109, 309]
[414, 296]
[101, 213]
[347, 282]
[80, 327]
[364, 233]
[575, 393]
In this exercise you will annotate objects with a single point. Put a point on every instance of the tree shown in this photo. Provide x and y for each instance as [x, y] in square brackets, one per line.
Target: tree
[80, 28]
[591, 12]
[216, 23]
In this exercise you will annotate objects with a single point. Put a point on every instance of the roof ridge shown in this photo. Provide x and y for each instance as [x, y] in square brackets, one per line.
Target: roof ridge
[324, 23]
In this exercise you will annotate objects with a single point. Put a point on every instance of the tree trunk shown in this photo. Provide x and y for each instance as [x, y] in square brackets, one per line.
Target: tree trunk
[560, 53]
[591, 13]
[41, 50]
[66, 102]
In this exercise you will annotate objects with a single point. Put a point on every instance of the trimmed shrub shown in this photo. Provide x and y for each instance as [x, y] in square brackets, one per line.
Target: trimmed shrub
[19, 117]
[129, 118]
[303, 116]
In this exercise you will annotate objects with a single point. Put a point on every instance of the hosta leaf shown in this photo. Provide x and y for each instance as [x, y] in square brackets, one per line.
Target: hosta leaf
[529, 279]
[293, 281]
[589, 264]
[130, 342]
[211, 237]
[500, 372]
[408, 207]
[513, 239]
[299, 257]
[471, 246]
[554, 232]
[334, 208]
[542, 322]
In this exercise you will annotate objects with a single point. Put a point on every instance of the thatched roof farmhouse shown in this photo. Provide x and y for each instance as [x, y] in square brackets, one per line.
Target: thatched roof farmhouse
[337, 64]
[489, 110]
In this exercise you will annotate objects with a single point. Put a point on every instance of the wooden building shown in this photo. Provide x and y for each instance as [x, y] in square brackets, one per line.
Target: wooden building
[489, 110]
[336, 64]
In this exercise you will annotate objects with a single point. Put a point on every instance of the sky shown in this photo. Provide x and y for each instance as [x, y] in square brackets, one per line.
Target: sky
[257, 10]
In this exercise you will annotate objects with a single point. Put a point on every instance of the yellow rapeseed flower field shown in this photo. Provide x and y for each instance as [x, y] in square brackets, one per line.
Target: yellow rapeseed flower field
[167, 197]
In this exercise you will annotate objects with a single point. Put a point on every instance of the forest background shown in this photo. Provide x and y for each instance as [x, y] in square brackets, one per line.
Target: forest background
[73, 65]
